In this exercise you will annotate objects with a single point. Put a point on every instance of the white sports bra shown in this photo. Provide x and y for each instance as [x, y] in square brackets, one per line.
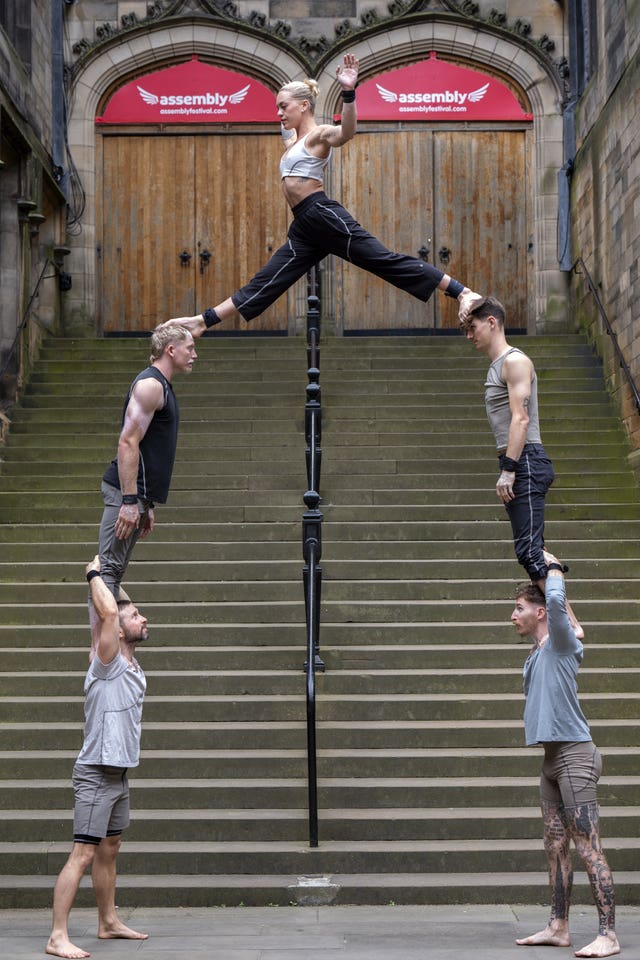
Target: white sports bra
[298, 162]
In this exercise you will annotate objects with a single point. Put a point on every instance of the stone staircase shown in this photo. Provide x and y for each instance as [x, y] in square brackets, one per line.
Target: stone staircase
[426, 791]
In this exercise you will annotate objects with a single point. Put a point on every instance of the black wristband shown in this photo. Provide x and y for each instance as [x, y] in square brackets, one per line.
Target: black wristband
[210, 317]
[562, 567]
[348, 96]
[454, 289]
[129, 499]
[507, 463]
[92, 574]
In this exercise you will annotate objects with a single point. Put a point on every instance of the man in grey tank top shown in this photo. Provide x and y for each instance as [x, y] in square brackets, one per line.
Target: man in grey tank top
[114, 688]
[511, 400]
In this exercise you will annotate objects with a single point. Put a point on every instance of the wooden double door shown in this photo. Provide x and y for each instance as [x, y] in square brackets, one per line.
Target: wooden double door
[187, 219]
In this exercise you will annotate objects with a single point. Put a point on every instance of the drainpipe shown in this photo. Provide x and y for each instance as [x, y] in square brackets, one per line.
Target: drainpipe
[58, 102]
[565, 258]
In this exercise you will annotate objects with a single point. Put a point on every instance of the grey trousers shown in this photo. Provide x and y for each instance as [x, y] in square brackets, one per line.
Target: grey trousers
[115, 554]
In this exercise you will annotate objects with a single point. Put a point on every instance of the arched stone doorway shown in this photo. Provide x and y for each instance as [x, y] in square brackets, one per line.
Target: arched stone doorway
[143, 50]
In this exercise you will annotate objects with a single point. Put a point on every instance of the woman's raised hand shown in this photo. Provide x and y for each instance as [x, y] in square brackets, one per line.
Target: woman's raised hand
[347, 74]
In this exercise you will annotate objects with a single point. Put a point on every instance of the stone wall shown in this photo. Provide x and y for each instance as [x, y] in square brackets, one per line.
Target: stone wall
[606, 201]
[314, 25]
[32, 206]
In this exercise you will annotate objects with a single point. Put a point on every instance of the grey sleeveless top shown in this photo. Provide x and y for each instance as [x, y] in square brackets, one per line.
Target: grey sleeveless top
[496, 398]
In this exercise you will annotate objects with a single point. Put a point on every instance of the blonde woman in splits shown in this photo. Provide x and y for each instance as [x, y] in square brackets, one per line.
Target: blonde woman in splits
[322, 226]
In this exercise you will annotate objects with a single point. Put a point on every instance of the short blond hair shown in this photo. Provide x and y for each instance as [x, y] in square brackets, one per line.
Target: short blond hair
[163, 335]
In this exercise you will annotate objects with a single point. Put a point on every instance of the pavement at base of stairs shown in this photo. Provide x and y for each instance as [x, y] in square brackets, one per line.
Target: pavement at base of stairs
[318, 933]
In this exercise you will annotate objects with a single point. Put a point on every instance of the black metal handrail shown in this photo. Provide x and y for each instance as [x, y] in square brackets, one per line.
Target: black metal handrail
[578, 266]
[312, 538]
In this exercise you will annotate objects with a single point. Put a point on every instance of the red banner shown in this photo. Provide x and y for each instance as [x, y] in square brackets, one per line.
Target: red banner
[191, 92]
[436, 90]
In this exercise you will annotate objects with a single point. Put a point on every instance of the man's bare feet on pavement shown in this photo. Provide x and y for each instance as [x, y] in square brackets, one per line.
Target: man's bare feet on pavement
[604, 945]
[62, 947]
[549, 937]
[119, 931]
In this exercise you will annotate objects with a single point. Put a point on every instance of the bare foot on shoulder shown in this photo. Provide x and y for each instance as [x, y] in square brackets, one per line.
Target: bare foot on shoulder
[62, 947]
[548, 937]
[604, 945]
[119, 931]
[466, 300]
[195, 325]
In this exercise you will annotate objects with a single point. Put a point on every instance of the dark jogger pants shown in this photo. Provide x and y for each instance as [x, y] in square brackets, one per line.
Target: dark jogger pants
[322, 226]
[534, 476]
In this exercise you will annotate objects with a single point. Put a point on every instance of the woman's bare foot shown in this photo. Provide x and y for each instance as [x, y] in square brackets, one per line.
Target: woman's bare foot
[62, 947]
[604, 945]
[195, 325]
[119, 931]
[551, 936]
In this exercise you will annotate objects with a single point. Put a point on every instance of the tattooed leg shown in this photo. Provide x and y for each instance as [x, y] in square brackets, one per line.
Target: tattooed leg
[584, 824]
[556, 848]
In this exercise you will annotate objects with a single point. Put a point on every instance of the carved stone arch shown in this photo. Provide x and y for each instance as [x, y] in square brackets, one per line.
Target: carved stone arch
[113, 64]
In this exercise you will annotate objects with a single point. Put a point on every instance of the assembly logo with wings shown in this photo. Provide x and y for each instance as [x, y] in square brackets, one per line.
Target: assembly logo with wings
[444, 99]
[207, 99]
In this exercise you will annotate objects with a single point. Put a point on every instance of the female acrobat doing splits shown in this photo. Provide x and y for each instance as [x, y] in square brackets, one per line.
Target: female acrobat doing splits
[322, 226]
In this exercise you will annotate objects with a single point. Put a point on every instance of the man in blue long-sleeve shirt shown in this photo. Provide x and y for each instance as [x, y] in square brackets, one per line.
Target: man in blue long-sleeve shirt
[572, 763]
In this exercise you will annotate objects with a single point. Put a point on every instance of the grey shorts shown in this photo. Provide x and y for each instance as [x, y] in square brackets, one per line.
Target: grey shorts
[570, 773]
[101, 802]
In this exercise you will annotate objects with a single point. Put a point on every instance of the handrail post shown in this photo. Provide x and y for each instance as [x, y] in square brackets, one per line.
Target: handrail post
[312, 579]
[312, 540]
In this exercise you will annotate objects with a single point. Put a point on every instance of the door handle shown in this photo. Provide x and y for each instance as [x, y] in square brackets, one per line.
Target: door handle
[444, 253]
[205, 256]
[185, 256]
[424, 252]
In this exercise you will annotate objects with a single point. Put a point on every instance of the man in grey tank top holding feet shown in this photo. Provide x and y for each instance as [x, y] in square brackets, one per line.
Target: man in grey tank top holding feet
[114, 688]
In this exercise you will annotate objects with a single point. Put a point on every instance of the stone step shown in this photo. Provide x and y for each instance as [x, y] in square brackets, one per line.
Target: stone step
[291, 857]
[333, 611]
[339, 658]
[400, 399]
[590, 553]
[344, 825]
[338, 637]
[610, 571]
[232, 590]
[247, 889]
[180, 733]
[374, 763]
[454, 793]
[557, 530]
[406, 515]
[346, 682]
[341, 707]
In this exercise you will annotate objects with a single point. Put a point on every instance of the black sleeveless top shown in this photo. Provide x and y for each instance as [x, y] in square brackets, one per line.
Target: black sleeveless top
[157, 447]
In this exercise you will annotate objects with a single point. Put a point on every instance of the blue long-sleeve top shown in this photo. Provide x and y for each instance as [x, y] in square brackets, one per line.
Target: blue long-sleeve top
[552, 712]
